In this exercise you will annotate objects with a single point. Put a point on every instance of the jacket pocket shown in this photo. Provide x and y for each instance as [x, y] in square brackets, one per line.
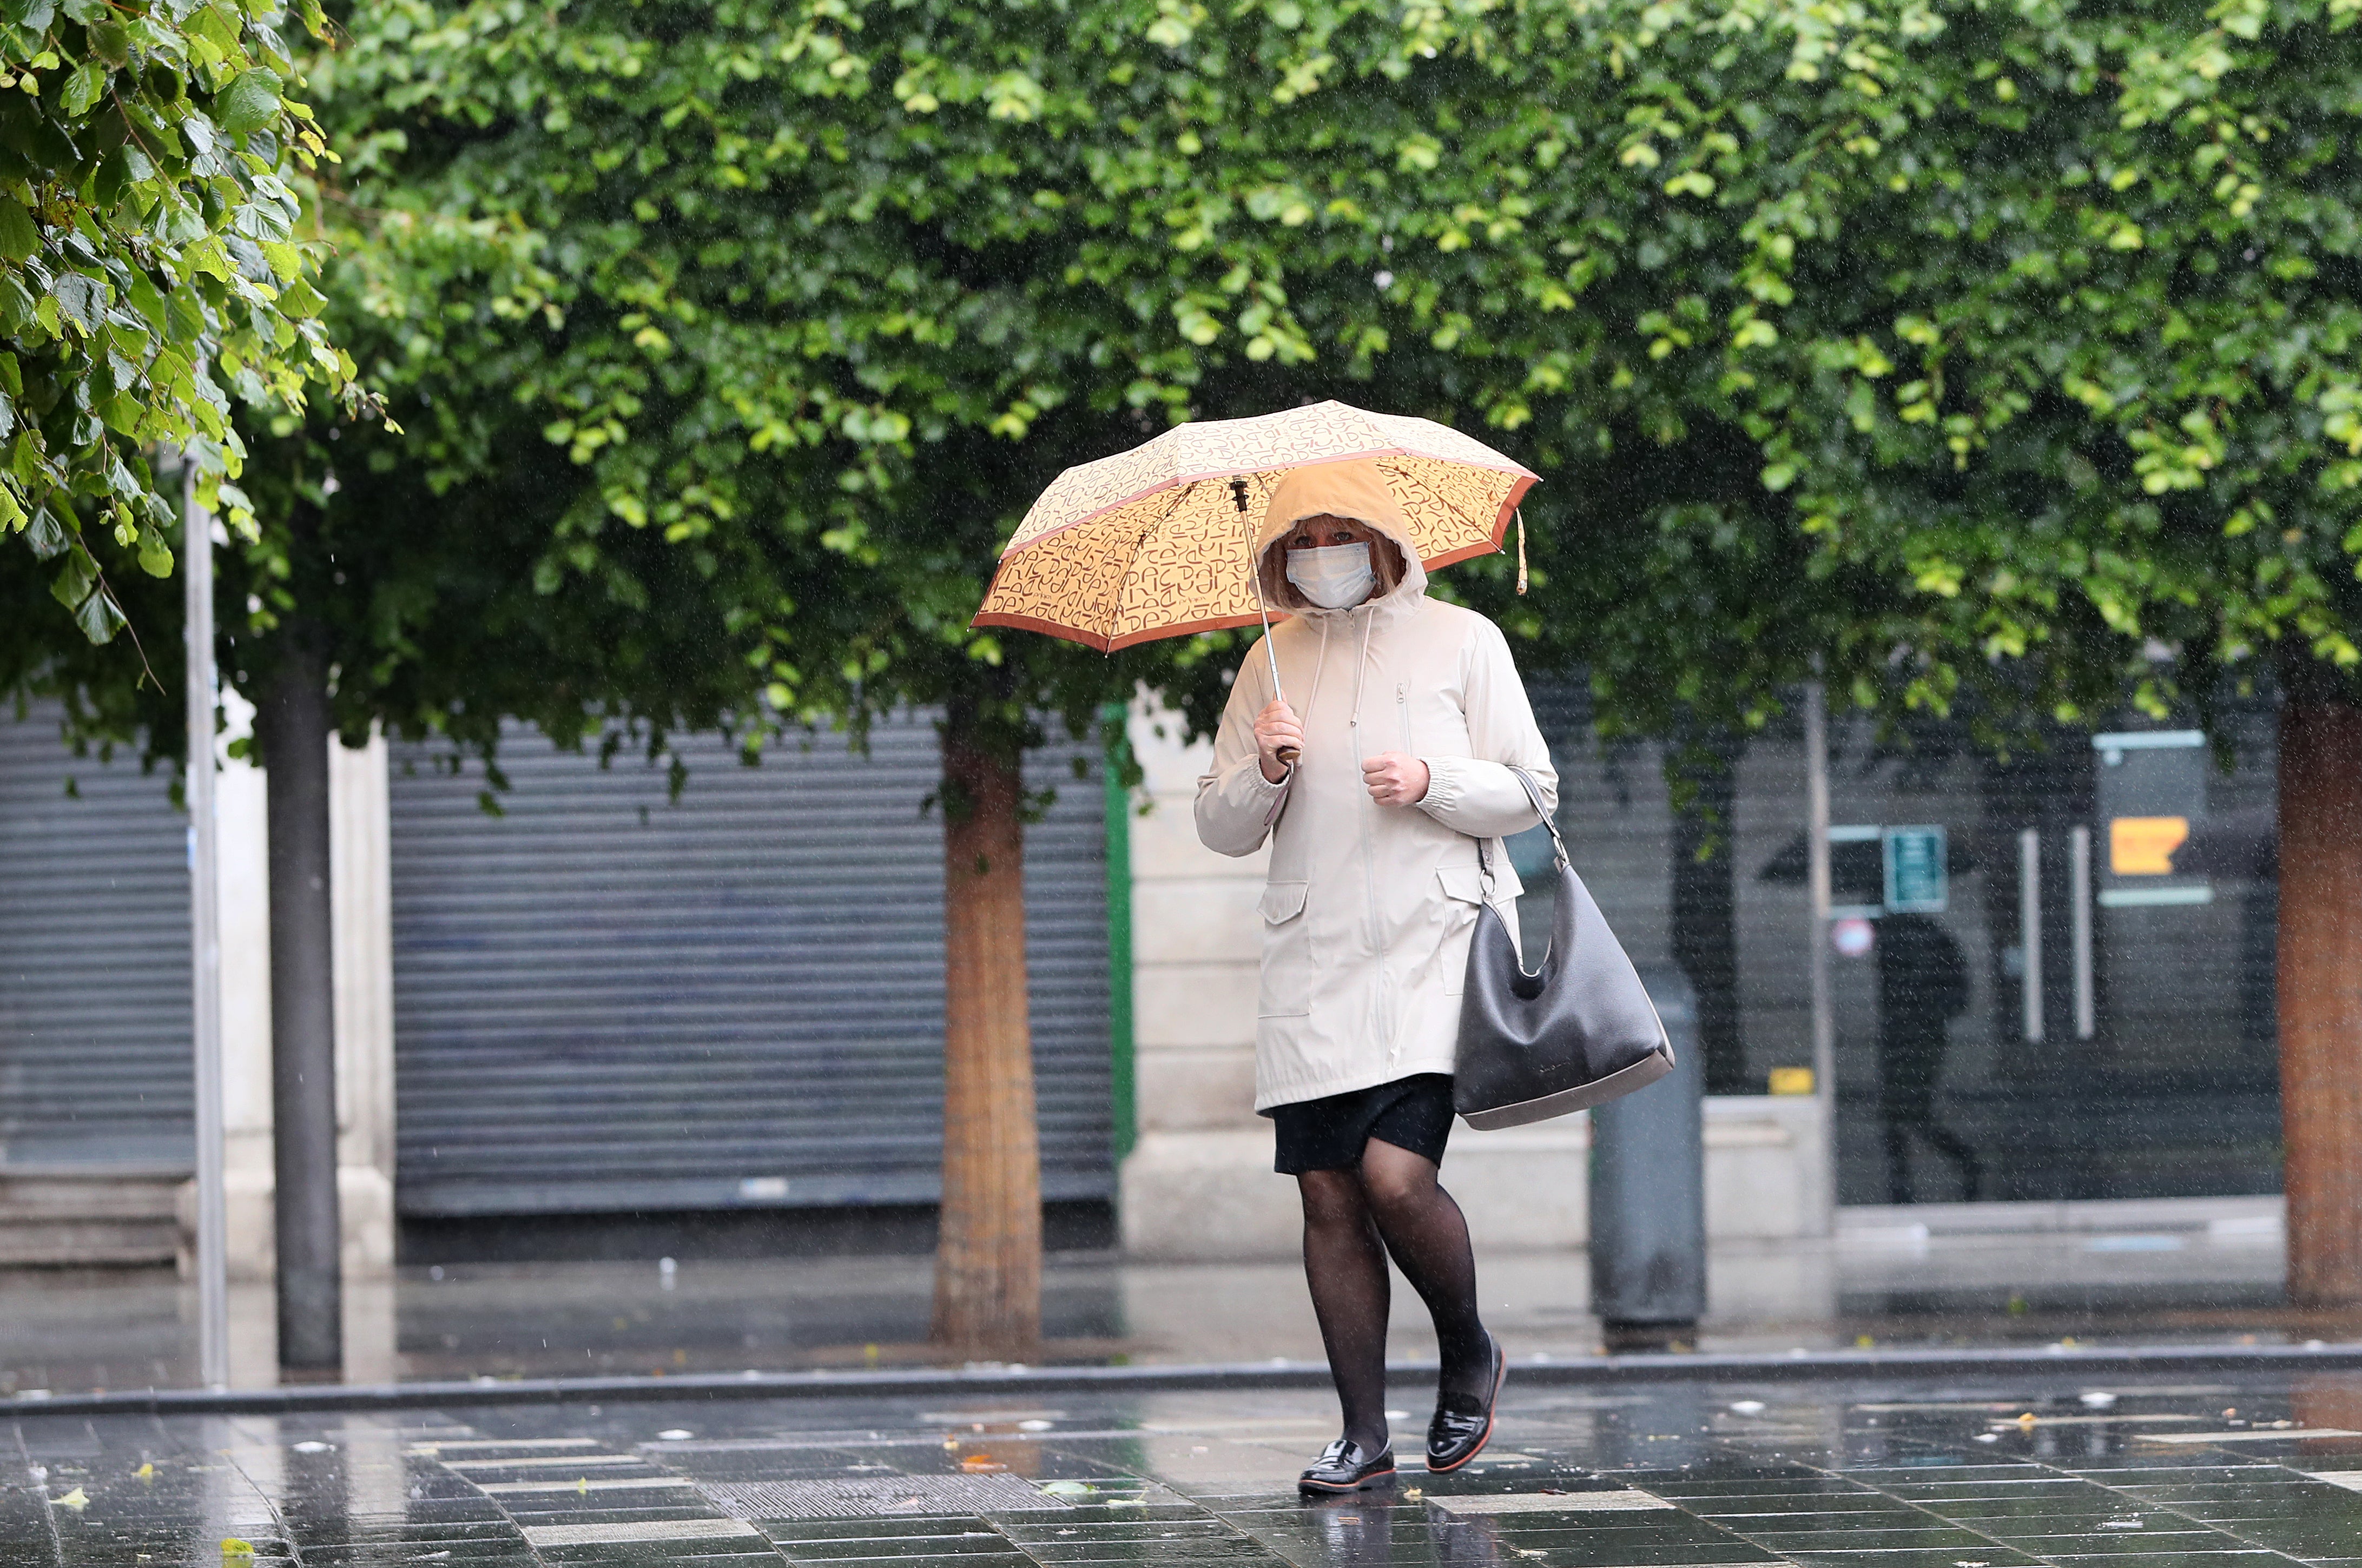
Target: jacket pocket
[1463, 895]
[1287, 990]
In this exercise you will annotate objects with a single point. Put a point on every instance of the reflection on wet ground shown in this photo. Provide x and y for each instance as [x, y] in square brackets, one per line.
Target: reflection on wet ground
[1896, 1285]
[2241, 1470]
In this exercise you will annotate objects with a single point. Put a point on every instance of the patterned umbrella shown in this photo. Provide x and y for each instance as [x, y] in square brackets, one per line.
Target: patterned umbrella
[1150, 543]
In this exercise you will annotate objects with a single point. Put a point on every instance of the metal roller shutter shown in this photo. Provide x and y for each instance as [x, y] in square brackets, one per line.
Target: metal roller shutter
[605, 1000]
[94, 1009]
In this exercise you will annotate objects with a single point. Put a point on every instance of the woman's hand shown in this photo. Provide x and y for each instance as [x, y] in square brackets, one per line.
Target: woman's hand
[1276, 728]
[1396, 779]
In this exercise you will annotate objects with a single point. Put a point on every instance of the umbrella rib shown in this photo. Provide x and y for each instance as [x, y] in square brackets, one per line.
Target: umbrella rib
[1409, 478]
[1179, 491]
[1189, 590]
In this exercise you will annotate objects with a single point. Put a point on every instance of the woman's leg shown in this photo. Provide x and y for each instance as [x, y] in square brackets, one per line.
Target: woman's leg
[1425, 1230]
[1345, 1264]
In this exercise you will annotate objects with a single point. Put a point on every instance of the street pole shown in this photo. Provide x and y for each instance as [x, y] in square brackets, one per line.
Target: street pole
[1817, 876]
[1824, 1020]
[204, 935]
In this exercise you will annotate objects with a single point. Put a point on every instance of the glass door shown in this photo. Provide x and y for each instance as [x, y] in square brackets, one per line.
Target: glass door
[2053, 972]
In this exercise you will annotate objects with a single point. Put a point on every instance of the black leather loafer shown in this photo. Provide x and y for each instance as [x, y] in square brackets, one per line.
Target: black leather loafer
[1460, 1432]
[1344, 1467]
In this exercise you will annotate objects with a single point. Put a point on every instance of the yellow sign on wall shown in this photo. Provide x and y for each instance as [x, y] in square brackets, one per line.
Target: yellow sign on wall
[1791, 1081]
[2143, 847]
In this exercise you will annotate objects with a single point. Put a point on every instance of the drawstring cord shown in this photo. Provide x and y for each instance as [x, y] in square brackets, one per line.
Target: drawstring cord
[1321, 664]
[1320, 669]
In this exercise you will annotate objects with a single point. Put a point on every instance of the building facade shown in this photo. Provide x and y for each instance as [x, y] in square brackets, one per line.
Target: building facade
[2051, 980]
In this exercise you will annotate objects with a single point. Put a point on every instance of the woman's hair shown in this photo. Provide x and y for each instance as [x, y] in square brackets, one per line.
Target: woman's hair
[1278, 593]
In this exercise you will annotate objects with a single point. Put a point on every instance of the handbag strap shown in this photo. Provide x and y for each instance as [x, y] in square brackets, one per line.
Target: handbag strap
[1534, 794]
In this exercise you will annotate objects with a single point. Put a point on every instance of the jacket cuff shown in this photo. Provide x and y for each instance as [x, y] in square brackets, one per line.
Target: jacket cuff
[1447, 786]
[1253, 774]
[1273, 796]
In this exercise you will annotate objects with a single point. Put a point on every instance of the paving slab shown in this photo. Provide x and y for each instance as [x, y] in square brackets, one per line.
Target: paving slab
[2008, 1469]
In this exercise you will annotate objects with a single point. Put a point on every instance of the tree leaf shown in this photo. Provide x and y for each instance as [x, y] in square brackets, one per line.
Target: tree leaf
[98, 617]
[155, 556]
[19, 236]
[83, 85]
[249, 103]
[46, 535]
[111, 41]
[113, 179]
[72, 583]
[81, 299]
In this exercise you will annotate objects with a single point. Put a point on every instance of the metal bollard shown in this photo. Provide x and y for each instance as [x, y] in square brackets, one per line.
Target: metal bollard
[1648, 1189]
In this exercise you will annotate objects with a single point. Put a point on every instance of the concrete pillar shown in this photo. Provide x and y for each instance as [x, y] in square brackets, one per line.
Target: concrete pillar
[243, 801]
[360, 854]
[359, 861]
[1197, 1181]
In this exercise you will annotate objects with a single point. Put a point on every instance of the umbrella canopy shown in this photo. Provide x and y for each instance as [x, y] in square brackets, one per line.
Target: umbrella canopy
[1150, 543]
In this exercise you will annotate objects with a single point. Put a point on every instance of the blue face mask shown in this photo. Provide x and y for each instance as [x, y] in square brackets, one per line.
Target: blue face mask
[1334, 577]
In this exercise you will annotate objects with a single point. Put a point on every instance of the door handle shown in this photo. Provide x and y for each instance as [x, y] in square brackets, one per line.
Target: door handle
[2079, 864]
[2029, 927]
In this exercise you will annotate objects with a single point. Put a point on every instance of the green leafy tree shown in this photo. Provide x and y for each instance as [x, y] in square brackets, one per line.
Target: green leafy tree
[1968, 355]
[813, 300]
[154, 271]
[650, 353]
[157, 275]
[2005, 362]
[1972, 356]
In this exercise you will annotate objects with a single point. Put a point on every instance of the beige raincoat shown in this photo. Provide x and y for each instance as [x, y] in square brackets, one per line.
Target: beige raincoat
[1368, 910]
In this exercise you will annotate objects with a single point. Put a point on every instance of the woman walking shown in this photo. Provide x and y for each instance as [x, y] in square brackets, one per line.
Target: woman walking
[1374, 796]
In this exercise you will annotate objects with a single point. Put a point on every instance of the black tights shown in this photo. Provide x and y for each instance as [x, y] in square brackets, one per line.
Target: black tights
[1389, 1203]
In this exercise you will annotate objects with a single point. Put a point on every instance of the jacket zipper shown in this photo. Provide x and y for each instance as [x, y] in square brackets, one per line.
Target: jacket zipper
[1402, 711]
[1370, 879]
[1369, 818]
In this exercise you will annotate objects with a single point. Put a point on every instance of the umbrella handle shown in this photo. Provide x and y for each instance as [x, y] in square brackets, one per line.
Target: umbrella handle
[1287, 754]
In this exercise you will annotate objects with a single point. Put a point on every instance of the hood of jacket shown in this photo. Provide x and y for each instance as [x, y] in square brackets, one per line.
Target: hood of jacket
[1355, 489]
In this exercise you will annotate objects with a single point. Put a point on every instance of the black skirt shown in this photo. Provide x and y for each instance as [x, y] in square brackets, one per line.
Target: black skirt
[1328, 1134]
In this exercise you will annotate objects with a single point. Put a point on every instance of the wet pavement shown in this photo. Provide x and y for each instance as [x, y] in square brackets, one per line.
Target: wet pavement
[1890, 1286]
[2258, 1469]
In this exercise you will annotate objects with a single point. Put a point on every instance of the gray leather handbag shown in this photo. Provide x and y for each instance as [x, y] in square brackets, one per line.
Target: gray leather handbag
[1578, 1033]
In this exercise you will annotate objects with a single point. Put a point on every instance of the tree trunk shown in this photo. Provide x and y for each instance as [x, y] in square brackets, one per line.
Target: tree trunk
[2321, 990]
[295, 732]
[988, 1259]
